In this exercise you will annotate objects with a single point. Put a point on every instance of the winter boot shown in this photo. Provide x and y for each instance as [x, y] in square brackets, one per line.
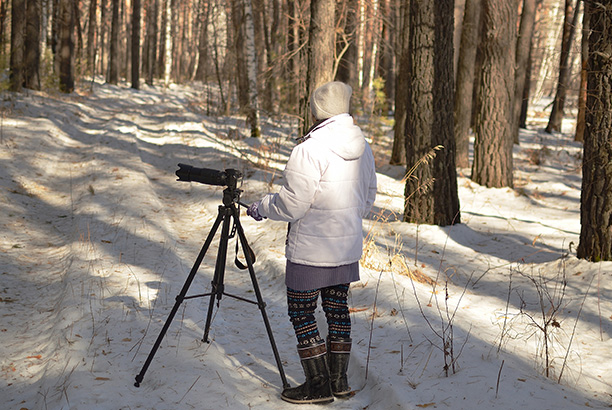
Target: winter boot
[316, 389]
[338, 359]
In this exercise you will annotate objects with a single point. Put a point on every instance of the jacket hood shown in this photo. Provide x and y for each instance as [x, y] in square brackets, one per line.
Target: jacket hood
[341, 136]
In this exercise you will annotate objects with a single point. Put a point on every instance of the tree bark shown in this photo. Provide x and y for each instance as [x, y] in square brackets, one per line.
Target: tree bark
[204, 12]
[431, 185]
[91, 37]
[347, 70]
[398, 152]
[321, 43]
[251, 59]
[150, 44]
[569, 28]
[32, 45]
[466, 66]
[136, 7]
[523, 51]
[66, 46]
[18, 27]
[167, 60]
[492, 165]
[584, 57]
[241, 69]
[113, 66]
[596, 199]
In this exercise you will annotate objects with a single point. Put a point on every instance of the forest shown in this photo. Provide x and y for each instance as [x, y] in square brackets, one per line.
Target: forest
[484, 281]
[442, 71]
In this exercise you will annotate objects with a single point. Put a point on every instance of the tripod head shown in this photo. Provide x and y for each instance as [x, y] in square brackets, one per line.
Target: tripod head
[230, 178]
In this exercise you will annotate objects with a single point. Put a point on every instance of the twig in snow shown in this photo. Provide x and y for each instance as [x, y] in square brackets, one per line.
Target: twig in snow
[498, 377]
[188, 390]
[574, 331]
[372, 325]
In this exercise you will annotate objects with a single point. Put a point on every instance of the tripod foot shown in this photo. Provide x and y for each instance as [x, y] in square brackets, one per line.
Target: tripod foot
[138, 380]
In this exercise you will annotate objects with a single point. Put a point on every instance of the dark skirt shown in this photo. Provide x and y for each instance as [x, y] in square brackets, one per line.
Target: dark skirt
[306, 277]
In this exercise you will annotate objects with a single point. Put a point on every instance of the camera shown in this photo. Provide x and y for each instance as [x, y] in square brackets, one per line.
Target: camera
[229, 177]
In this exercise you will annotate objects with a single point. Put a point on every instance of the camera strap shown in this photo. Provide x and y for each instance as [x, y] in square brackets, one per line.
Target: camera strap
[248, 250]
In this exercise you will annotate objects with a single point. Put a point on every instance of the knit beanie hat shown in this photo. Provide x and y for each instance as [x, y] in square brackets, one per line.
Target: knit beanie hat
[330, 99]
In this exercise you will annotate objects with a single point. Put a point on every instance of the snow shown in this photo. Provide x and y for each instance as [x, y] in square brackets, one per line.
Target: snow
[97, 239]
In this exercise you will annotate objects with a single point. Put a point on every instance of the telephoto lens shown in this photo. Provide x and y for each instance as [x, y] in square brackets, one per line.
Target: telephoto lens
[206, 176]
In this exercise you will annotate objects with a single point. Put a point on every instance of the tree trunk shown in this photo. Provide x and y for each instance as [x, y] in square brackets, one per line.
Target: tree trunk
[91, 37]
[526, 90]
[136, 44]
[18, 28]
[32, 45]
[66, 46]
[386, 64]
[431, 185]
[523, 50]
[251, 59]
[465, 81]
[321, 43]
[596, 199]
[3, 13]
[150, 44]
[167, 61]
[569, 28]
[113, 65]
[398, 153]
[584, 56]
[241, 70]
[347, 48]
[492, 165]
[102, 64]
[204, 12]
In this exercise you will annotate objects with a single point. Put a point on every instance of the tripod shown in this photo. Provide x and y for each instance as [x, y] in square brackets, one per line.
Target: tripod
[227, 212]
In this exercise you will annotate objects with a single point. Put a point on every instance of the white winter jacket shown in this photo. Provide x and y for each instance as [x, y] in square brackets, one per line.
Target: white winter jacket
[330, 185]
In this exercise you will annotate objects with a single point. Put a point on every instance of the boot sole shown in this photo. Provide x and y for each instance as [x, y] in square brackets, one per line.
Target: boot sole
[343, 395]
[322, 400]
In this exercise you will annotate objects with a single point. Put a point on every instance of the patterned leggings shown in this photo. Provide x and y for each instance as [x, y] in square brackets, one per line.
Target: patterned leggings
[302, 305]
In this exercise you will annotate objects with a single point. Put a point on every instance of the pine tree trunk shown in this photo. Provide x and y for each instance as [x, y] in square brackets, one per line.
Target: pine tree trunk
[136, 6]
[18, 27]
[91, 37]
[113, 66]
[596, 199]
[150, 44]
[526, 90]
[431, 186]
[321, 43]
[523, 50]
[346, 71]
[66, 46]
[584, 57]
[241, 70]
[492, 165]
[465, 81]
[386, 65]
[204, 11]
[569, 28]
[167, 43]
[398, 152]
[3, 13]
[32, 45]
[251, 59]
[103, 66]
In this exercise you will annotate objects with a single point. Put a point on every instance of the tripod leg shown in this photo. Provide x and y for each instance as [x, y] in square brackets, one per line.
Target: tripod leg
[217, 284]
[180, 298]
[260, 302]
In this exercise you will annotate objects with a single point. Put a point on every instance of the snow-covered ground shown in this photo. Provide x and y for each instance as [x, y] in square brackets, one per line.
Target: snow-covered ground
[97, 239]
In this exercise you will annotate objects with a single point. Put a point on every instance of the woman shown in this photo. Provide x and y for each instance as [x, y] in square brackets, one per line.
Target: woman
[330, 186]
